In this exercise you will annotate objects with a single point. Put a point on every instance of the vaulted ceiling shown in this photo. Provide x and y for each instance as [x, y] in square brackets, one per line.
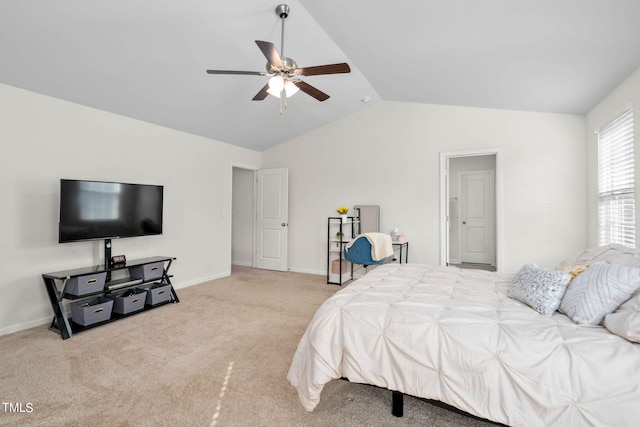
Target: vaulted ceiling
[146, 59]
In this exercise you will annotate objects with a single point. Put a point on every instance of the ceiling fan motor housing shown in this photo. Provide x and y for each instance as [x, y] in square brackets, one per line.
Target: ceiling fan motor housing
[288, 67]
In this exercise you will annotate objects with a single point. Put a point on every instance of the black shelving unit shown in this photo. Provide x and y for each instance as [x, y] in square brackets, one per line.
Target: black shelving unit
[56, 282]
[348, 229]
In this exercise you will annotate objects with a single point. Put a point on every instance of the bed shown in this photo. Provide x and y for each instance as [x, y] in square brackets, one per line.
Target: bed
[460, 337]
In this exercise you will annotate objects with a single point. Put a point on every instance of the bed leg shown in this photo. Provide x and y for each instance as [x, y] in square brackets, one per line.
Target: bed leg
[397, 399]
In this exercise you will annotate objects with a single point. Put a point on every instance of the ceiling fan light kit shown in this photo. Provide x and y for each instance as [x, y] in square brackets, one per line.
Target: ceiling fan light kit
[278, 83]
[284, 72]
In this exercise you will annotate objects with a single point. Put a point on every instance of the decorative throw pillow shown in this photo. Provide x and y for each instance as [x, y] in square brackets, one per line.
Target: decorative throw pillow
[625, 321]
[598, 291]
[539, 288]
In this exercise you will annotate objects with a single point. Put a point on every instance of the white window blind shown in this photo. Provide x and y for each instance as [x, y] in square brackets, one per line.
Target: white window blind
[616, 182]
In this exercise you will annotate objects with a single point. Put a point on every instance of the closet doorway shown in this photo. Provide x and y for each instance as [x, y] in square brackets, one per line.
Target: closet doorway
[242, 217]
[470, 209]
[259, 218]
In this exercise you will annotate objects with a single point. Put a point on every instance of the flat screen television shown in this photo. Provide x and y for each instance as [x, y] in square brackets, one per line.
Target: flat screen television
[93, 210]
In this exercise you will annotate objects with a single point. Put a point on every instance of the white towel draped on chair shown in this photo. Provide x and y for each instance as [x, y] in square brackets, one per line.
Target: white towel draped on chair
[381, 246]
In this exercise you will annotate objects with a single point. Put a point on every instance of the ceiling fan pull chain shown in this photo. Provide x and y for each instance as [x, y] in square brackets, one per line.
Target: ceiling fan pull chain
[283, 100]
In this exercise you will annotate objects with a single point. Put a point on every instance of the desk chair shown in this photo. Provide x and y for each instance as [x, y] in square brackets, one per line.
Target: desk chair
[361, 251]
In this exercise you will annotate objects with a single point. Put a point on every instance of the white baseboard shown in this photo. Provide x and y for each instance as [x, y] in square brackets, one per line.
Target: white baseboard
[177, 285]
[47, 320]
[181, 285]
[307, 271]
[27, 325]
[242, 263]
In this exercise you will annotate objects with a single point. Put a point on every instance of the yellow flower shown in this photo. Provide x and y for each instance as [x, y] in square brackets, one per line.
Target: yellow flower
[342, 210]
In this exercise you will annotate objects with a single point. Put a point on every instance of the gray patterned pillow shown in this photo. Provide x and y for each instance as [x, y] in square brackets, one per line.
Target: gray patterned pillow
[539, 288]
[598, 291]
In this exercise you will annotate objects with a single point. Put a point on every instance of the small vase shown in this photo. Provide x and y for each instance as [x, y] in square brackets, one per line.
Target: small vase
[344, 218]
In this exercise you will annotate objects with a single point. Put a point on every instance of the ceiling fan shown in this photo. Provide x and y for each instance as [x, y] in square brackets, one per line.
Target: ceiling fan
[285, 80]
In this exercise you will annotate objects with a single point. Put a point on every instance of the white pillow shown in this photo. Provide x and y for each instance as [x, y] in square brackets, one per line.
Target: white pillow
[613, 254]
[598, 291]
[539, 288]
[625, 321]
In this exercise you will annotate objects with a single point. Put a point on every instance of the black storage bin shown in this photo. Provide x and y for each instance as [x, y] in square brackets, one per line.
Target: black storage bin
[158, 293]
[83, 285]
[89, 311]
[123, 303]
[147, 271]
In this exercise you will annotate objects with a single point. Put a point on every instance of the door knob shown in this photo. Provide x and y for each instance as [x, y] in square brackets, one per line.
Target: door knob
[283, 224]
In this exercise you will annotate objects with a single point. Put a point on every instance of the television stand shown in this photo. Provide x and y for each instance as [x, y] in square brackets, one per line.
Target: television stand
[56, 284]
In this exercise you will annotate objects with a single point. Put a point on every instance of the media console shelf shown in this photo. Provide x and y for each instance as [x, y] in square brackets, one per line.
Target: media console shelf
[56, 285]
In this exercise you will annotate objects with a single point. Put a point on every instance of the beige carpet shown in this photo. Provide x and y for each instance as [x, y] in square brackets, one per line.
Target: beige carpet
[218, 358]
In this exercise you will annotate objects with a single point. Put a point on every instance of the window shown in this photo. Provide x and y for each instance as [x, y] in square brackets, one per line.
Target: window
[100, 200]
[616, 182]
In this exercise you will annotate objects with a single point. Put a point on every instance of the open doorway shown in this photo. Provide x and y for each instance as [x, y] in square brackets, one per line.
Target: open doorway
[259, 218]
[242, 214]
[470, 209]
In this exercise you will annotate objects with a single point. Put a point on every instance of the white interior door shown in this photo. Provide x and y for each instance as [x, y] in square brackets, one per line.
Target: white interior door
[477, 217]
[272, 202]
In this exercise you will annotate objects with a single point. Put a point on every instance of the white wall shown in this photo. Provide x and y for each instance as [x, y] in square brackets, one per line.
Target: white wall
[627, 93]
[44, 139]
[388, 155]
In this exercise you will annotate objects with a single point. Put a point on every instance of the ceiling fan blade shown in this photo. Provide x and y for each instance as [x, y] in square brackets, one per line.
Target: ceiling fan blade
[343, 67]
[247, 73]
[270, 52]
[310, 90]
[262, 94]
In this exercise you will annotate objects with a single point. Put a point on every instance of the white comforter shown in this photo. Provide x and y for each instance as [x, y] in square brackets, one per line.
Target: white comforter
[453, 335]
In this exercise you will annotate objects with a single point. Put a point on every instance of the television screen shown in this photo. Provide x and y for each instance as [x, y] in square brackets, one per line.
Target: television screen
[91, 210]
